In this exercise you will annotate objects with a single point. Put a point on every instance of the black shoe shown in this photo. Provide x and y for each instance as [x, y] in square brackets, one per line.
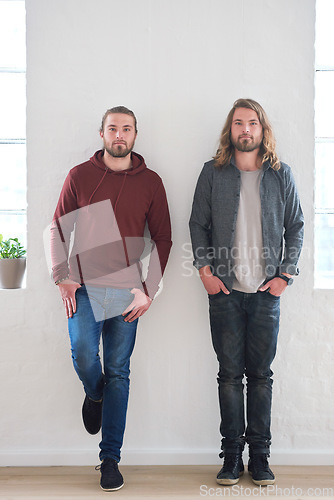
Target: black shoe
[111, 478]
[92, 415]
[258, 468]
[232, 469]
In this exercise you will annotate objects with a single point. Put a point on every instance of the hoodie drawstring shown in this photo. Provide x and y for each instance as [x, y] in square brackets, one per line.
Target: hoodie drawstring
[119, 194]
[97, 187]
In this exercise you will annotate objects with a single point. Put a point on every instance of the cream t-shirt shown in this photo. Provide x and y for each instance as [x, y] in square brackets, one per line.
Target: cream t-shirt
[249, 264]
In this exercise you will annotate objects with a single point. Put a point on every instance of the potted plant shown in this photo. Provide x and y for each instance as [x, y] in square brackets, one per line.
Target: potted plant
[12, 263]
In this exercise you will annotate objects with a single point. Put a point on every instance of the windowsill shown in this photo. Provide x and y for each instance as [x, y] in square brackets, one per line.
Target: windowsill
[12, 289]
[324, 283]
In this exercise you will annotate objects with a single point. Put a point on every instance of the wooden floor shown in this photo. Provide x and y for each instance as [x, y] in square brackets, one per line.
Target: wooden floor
[160, 482]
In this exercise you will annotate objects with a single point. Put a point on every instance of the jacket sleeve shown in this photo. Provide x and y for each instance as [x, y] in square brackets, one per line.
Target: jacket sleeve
[200, 219]
[293, 227]
[61, 228]
[159, 225]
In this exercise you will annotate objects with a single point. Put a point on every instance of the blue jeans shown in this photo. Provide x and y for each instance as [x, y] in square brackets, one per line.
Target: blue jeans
[118, 336]
[244, 329]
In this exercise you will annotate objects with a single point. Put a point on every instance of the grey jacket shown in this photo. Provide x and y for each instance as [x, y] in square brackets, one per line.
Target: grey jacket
[214, 215]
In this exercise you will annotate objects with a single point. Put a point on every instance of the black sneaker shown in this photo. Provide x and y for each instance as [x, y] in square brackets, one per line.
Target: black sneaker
[92, 415]
[258, 468]
[232, 469]
[111, 478]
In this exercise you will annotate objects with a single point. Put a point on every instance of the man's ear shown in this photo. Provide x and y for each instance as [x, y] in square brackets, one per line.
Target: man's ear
[101, 134]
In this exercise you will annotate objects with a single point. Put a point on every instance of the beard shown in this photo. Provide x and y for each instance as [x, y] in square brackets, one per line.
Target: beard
[119, 151]
[246, 145]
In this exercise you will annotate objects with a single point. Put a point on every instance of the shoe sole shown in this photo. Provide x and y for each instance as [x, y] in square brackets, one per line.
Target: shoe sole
[263, 482]
[112, 489]
[229, 482]
[92, 433]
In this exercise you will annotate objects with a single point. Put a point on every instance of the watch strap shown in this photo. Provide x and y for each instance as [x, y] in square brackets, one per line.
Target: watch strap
[286, 278]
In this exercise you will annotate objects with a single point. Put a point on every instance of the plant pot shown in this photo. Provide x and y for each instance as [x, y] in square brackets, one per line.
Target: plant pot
[12, 272]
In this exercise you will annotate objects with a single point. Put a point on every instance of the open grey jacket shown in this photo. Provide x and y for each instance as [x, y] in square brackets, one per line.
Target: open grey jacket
[214, 215]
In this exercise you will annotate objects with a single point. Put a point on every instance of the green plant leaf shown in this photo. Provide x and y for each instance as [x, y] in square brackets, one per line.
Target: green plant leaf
[11, 248]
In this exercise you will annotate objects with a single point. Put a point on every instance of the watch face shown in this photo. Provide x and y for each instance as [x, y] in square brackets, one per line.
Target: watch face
[285, 278]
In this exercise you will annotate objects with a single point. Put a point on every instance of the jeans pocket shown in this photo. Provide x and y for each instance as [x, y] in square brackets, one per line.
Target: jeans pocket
[219, 295]
[211, 295]
[267, 292]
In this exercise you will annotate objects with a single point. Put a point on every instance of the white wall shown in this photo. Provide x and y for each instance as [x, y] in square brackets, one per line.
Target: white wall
[179, 64]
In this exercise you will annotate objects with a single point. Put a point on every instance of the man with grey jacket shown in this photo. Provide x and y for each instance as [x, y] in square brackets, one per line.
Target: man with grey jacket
[247, 232]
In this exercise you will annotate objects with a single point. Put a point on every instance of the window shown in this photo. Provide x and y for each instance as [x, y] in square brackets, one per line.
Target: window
[324, 145]
[12, 120]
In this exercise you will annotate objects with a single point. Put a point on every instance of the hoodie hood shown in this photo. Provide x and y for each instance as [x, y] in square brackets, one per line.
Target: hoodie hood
[138, 164]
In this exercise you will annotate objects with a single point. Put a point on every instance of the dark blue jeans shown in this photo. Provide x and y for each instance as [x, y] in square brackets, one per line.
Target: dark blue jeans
[99, 313]
[244, 328]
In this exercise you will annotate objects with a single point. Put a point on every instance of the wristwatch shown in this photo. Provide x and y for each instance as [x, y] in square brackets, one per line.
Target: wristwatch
[285, 278]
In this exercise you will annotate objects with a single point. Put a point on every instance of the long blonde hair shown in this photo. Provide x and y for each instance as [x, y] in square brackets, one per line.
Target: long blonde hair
[267, 149]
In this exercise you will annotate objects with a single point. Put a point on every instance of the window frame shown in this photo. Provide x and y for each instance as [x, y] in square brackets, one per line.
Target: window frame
[326, 280]
[20, 211]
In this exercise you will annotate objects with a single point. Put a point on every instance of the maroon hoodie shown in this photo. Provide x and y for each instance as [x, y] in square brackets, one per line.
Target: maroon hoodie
[107, 212]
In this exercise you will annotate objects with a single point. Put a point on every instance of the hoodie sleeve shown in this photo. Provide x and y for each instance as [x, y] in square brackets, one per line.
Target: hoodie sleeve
[61, 228]
[159, 225]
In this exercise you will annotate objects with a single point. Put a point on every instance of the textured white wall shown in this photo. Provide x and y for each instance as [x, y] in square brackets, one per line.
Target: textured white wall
[179, 64]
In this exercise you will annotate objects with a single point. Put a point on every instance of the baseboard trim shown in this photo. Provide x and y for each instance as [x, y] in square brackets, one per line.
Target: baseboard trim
[34, 458]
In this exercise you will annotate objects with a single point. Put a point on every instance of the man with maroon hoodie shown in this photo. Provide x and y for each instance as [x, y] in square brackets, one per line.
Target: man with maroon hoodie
[97, 248]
